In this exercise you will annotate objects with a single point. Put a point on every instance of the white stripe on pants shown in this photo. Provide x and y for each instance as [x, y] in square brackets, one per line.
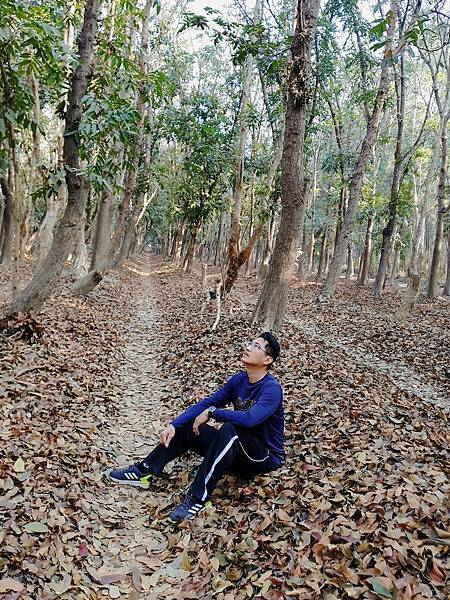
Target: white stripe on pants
[221, 455]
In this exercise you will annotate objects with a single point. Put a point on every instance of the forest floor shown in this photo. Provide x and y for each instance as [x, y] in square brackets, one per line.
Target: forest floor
[357, 511]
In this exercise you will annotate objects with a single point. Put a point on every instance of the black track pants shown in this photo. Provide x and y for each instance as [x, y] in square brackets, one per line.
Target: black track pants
[230, 448]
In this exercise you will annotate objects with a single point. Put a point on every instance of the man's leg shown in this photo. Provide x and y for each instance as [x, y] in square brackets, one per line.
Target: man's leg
[140, 473]
[231, 449]
[183, 440]
[253, 457]
[218, 459]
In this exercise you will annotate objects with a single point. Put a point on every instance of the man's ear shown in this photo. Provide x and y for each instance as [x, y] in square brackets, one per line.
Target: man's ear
[270, 360]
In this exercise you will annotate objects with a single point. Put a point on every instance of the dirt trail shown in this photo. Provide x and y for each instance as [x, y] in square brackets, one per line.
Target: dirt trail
[127, 542]
[401, 376]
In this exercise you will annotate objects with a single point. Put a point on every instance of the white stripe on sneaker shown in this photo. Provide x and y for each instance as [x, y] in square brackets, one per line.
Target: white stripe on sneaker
[218, 459]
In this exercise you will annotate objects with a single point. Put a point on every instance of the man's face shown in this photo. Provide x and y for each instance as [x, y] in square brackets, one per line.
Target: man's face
[254, 354]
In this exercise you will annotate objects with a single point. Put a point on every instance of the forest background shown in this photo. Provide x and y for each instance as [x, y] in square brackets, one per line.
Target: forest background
[288, 164]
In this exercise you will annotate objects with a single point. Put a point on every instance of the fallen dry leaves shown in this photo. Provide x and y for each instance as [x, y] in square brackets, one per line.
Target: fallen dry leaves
[358, 511]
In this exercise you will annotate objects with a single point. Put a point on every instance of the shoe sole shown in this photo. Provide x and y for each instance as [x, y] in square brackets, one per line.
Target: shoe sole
[139, 484]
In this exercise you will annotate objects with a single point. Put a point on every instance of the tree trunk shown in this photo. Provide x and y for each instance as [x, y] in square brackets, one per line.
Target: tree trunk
[242, 257]
[235, 227]
[190, 253]
[55, 210]
[444, 117]
[7, 224]
[447, 280]
[272, 303]
[367, 253]
[79, 253]
[409, 299]
[305, 257]
[268, 248]
[395, 265]
[102, 239]
[218, 250]
[388, 231]
[350, 265]
[130, 186]
[360, 168]
[34, 295]
[176, 251]
[433, 282]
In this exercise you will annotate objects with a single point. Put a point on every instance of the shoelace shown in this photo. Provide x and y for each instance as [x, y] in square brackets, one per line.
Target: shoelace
[187, 503]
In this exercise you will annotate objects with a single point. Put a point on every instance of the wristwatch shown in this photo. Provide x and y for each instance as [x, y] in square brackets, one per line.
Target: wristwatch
[211, 411]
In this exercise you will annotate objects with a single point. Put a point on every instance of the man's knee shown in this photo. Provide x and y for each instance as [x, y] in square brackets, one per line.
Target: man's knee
[228, 430]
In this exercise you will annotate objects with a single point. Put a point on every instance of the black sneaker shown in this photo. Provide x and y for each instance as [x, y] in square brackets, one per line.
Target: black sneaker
[188, 509]
[130, 476]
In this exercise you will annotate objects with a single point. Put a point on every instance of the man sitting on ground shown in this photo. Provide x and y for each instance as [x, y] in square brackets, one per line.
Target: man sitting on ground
[250, 441]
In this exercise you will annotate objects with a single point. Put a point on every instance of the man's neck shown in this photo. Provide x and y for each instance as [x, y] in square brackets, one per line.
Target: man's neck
[255, 374]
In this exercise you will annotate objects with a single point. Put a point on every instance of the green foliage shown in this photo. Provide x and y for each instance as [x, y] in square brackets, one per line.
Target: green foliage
[30, 45]
[196, 175]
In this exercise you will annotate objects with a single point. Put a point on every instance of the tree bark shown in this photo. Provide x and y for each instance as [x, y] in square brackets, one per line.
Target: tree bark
[272, 303]
[31, 299]
[447, 280]
[433, 282]
[322, 255]
[444, 117]
[190, 252]
[176, 251]
[100, 249]
[79, 253]
[367, 254]
[409, 299]
[350, 265]
[268, 248]
[7, 223]
[388, 231]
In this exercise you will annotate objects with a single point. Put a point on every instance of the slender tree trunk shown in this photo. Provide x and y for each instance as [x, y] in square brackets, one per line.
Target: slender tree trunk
[176, 255]
[388, 231]
[358, 175]
[350, 264]
[447, 280]
[304, 260]
[396, 264]
[268, 248]
[367, 253]
[130, 186]
[322, 257]
[433, 281]
[242, 257]
[443, 105]
[272, 303]
[235, 227]
[7, 223]
[190, 253]
[34, 295]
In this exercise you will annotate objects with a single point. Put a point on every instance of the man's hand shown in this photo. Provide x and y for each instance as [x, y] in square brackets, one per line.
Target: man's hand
[167, 435]
[199, 420]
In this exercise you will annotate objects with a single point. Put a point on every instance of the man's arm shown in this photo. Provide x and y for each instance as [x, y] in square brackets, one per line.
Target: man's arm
[264, 407]
[219, 399]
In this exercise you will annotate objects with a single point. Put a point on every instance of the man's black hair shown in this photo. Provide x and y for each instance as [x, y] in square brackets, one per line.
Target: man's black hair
[272, 346]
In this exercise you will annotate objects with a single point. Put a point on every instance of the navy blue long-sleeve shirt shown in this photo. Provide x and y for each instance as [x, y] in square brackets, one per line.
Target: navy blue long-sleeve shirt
[257, 406]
